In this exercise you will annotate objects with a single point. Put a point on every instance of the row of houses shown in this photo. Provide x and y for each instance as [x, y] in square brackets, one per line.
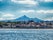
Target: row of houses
[24, 24]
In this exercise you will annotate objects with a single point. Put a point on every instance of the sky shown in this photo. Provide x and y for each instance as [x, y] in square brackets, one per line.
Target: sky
[12, 9]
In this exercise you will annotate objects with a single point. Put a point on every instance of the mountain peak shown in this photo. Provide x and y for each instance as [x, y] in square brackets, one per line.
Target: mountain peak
[25, 16]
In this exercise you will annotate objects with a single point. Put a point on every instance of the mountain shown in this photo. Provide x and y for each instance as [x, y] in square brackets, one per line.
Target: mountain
[23, 18]
[36, 20]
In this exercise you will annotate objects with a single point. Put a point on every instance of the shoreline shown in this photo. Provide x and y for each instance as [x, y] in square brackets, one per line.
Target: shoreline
[24, 29]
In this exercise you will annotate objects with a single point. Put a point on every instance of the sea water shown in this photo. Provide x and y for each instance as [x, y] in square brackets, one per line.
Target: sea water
[26, 34]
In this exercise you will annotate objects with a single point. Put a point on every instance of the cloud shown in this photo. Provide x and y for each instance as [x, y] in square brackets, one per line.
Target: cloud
[48, 19]
[1, 0]
[27, 2]
[2, 19]
[7, 17]
[46, 0]
[45, 11]
[27, 11]
[36, 11]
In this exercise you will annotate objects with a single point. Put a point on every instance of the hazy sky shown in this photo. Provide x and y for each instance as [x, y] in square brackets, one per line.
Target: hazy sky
[10, 9]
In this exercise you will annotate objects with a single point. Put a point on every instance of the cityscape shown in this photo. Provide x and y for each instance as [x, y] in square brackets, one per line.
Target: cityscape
[26, 22]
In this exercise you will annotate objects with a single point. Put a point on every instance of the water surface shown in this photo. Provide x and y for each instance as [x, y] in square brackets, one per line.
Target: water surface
[26, 34]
